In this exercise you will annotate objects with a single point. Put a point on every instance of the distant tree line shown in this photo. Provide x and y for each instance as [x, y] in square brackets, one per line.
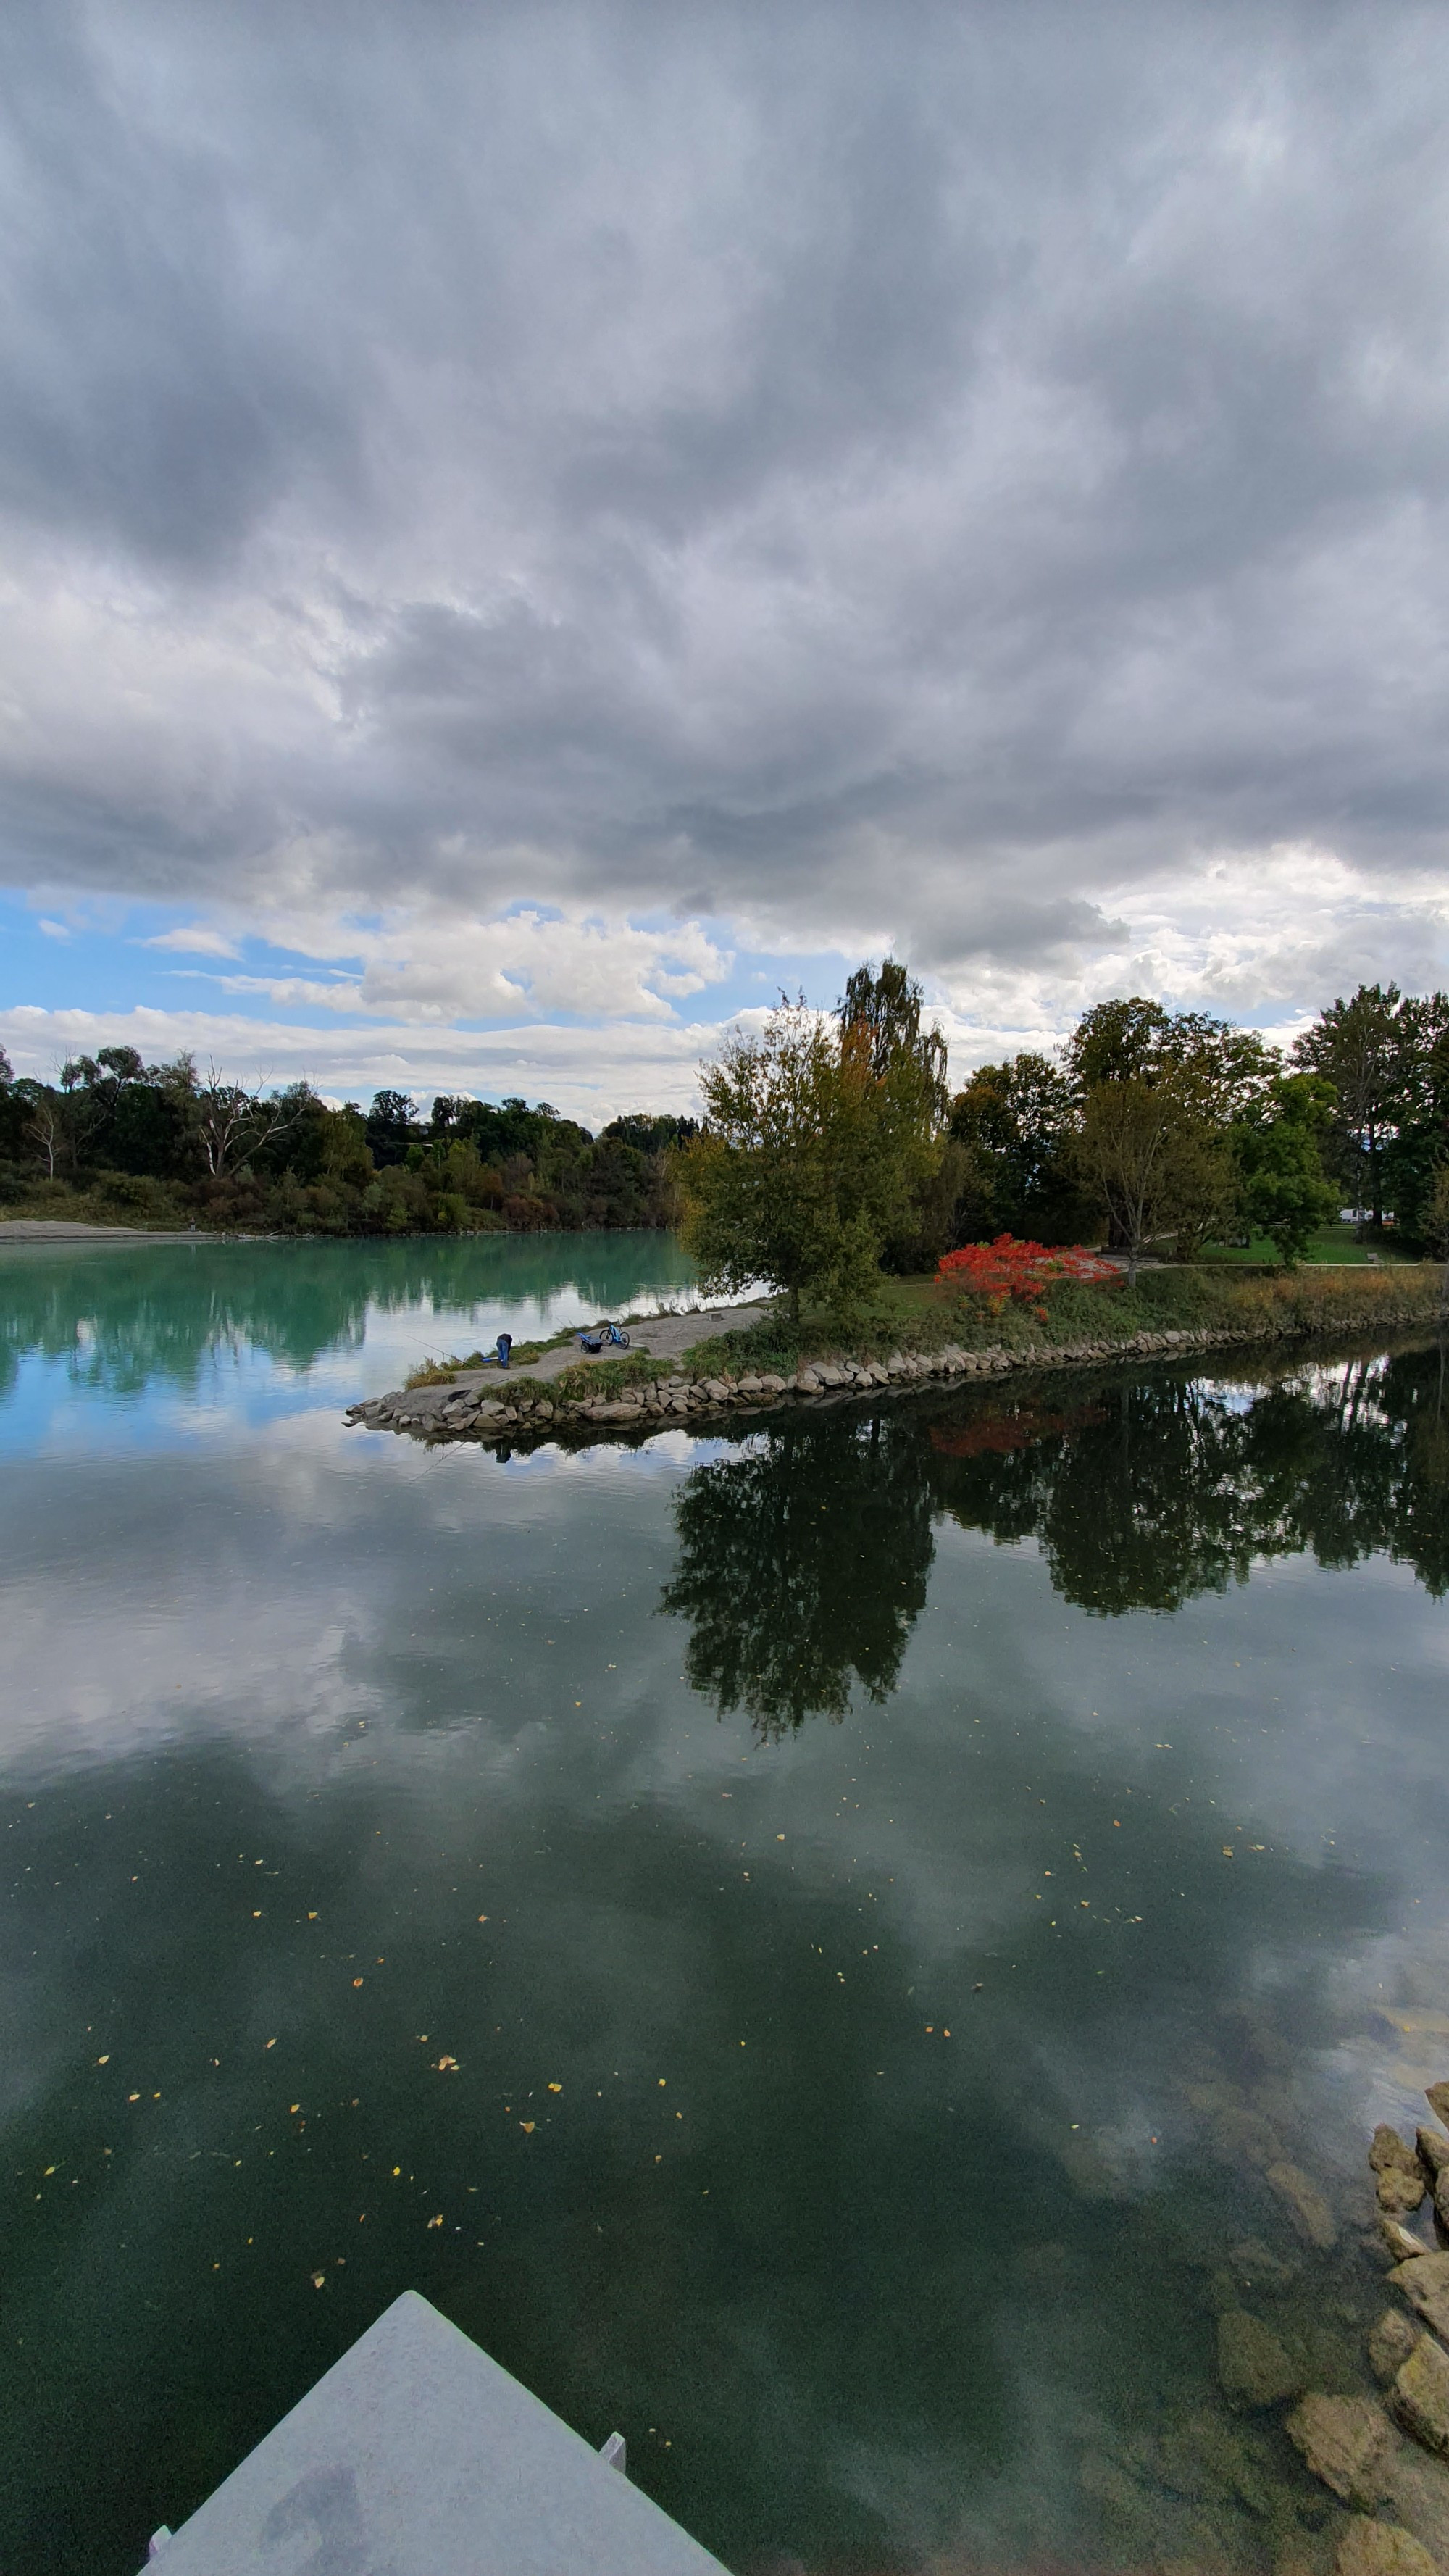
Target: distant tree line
[166, 1143]
[832, 1146]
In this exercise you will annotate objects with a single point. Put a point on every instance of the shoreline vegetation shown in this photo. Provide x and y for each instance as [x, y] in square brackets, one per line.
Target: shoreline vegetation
[921, 1336]
[166, 1148]
[832, 1148]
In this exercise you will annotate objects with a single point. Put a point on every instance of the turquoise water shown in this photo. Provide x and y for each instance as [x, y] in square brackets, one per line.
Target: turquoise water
[550, 1884]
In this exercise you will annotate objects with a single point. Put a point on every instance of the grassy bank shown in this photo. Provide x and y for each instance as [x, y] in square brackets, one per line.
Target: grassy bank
[914, 1314]
[1330, 1243]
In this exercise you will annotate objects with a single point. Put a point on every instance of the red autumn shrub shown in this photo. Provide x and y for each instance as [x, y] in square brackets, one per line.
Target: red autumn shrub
[1010, 1268]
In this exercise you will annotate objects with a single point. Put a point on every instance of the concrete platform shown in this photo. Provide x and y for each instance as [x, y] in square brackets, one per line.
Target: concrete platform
[416, 2455]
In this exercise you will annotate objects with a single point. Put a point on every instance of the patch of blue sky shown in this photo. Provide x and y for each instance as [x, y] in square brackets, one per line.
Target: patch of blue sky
[92, 954]
[55, 1405]
[96, 956]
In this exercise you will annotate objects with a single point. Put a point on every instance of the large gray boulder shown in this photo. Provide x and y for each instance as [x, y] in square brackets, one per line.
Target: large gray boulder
[1390, 2343]
[1345, 2441]
[1425, 2284]
[1420, 2397]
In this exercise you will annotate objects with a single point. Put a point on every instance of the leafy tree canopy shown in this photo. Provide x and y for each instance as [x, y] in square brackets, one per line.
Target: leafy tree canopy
[807, 1158]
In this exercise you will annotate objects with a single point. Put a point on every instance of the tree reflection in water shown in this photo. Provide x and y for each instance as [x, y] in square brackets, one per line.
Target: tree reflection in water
[1168, 1486]
[803, 1560]
[122, 1316]
[803, 1565]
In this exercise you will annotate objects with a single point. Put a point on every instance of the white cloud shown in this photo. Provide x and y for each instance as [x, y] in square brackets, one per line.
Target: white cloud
[195, 939]
[591, 1074]
[437, 966]
[1265, 937]
[841, 481]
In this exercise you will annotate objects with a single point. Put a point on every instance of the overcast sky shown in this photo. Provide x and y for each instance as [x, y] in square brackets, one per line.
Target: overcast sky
[525, 528]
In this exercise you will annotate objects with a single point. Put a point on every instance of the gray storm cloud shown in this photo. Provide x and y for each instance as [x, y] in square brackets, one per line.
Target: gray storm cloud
[889, 469]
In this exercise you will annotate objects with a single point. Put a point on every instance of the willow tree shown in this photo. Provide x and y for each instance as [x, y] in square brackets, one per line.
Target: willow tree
[806, 1161]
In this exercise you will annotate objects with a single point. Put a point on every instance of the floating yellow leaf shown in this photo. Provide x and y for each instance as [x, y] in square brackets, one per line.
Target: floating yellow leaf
[527, 2126]
[436, 2222]
[555, 2088]
[319, 2280]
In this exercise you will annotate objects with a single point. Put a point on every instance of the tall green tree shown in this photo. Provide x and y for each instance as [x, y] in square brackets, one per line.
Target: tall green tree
[1156, 1091]
[1223, 1069]
[392, 1126]
[887, 1005]
[1284, 1193]
[884, 1007]
[1017, 1122]
[1419, 1147]
[806, 1162]
[1368, 1047]
[1148, 1153]
[14, 1113]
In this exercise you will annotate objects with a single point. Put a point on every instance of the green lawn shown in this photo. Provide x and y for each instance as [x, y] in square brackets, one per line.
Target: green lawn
[1331, 1243]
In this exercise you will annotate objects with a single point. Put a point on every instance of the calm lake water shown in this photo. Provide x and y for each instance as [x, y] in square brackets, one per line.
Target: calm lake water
[804, 1942]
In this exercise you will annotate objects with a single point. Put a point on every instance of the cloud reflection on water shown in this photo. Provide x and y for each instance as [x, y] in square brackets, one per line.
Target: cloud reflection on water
[887, 2291]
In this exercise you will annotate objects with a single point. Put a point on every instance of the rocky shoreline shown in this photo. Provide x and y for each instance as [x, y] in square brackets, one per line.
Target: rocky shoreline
[1385, 2458]
[1324, 2448]
[468, 1408]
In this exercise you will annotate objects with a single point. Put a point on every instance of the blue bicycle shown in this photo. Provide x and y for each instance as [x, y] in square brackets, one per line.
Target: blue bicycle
[601, 1338]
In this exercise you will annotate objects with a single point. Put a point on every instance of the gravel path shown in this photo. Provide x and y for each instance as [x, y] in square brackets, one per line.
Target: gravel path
[59, 1229]
[663, 1337]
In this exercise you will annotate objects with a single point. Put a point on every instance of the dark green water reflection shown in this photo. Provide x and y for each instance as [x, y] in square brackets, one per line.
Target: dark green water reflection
[121, 1318]
[804, 1560]
[356, 1796]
